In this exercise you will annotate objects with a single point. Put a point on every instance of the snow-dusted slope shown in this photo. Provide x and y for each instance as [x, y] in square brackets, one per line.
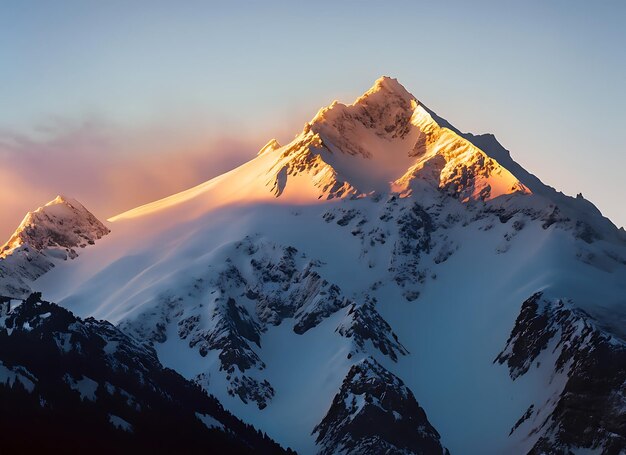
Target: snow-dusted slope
[379, 236]
[49, 234]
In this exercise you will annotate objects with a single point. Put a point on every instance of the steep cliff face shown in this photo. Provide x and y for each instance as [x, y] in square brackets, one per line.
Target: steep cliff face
[588, 411]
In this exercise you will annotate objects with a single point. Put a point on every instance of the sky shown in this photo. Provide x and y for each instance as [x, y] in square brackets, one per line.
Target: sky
[119, 103]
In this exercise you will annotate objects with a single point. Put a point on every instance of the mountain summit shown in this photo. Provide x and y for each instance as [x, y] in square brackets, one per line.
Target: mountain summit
[62, 224]
[382, 282]
[51, 233]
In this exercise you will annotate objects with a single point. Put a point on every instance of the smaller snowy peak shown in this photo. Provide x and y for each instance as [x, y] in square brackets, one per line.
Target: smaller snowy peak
[52, 232]
[61, 224]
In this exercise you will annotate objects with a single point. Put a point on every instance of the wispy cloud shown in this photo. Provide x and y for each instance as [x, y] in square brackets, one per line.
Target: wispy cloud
[107, 167]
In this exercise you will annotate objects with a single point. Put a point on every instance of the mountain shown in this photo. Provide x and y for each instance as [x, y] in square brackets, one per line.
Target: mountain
[49, 234]
[381, 281]
[76, 385]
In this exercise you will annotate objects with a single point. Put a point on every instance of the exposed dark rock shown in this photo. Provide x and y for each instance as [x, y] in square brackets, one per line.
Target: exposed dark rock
[586, 233]
[591, 410]
[375, 413]
[415, 227]
[250, 389]
[521, 420]
[530, 336]
[347, 217]
[552, 217]
[231, 329]
[363, 323]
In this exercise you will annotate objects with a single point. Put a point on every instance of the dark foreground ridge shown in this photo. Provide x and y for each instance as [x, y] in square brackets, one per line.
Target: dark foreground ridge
[75, 386]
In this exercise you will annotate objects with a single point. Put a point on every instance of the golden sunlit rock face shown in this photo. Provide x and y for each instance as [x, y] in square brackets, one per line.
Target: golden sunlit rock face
[461, 168]
[393, 141]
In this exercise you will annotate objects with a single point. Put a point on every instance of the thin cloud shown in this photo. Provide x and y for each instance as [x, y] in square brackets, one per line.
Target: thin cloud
[108, 168]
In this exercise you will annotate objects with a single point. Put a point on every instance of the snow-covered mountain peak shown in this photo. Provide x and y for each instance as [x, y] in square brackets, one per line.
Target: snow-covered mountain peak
[52, 232]
[385, 142]
[61, 223]
[386, 94]
[386, 108]
[386, 86]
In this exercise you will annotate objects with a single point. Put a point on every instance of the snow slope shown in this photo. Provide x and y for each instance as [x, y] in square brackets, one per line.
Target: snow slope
[380, 235]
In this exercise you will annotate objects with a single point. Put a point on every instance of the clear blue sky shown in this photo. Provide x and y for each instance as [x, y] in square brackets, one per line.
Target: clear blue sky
[548, 78]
